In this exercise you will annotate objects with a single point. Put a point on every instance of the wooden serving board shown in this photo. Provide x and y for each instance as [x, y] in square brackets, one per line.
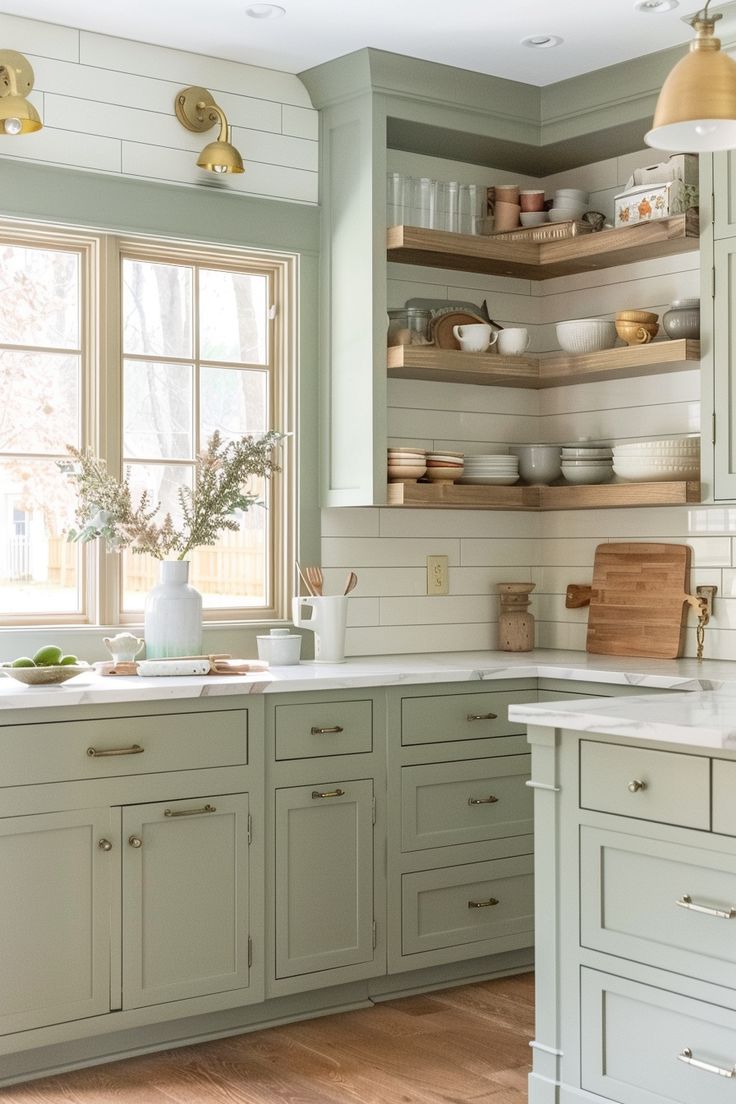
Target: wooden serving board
[639, 600]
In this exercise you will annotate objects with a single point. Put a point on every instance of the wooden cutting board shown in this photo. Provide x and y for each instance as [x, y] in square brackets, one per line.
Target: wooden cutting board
[639, 600]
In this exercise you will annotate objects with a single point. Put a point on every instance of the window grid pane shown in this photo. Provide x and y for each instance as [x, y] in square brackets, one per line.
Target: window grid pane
[232, 396]
[40, 571]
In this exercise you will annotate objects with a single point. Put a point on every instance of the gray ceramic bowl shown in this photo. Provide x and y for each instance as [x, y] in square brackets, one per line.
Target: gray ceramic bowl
[538, 463]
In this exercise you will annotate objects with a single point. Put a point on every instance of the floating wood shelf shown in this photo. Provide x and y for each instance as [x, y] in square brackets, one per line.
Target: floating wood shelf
[459, 496]
[551, 370]
[543, 260]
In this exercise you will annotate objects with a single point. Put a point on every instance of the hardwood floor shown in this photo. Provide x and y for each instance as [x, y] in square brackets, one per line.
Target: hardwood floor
[468, 1045]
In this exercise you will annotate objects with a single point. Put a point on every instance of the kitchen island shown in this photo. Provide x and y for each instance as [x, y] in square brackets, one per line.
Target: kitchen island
[635, 895]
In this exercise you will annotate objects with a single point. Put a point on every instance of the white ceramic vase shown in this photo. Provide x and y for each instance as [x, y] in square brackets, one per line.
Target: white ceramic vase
[173, 615]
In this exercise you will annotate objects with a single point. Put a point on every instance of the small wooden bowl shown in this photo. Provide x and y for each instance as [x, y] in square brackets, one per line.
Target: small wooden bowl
[643, 317]
[636, 333]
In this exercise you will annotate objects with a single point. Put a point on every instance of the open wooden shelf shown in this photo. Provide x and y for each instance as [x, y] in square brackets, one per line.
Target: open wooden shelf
[423, 362]
[459, 496]
[543, 260]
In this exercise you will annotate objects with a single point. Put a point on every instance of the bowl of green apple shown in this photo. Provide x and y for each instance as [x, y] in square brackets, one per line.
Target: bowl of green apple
[48, 667]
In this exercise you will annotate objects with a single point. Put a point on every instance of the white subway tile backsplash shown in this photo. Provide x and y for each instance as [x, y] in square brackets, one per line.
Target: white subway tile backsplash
[439, 610]
[349, 522]
[479, 553]
[301, 122]
[406, 639]
[359, 552]
[458, 523]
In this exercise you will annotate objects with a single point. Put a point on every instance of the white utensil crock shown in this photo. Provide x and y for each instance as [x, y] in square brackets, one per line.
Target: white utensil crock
[173, 617]
[327, 621]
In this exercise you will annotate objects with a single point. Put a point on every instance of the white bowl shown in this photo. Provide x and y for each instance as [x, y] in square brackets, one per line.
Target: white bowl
[534, 218]
[678, 444]
[46, 676]
[586, 335]
[576, 194]
[566, 214]
[538, 463]
[599, 463]
[587, 473]
[587, 453]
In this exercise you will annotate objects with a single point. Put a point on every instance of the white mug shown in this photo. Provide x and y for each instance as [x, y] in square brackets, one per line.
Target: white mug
[476, 338]
[513, 342]
[329, 614]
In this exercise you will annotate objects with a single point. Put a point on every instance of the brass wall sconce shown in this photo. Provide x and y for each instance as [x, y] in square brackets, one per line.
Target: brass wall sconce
[17, 115]
[696, 109]
[196, 110]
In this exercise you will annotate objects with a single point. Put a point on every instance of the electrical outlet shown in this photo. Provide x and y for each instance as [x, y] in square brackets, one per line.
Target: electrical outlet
[438, 575]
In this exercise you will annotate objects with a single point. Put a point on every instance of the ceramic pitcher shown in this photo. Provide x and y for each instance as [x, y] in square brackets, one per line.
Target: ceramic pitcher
[327, 621]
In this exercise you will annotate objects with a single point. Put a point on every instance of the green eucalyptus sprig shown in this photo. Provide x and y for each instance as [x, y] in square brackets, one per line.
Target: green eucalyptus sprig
[105, 509]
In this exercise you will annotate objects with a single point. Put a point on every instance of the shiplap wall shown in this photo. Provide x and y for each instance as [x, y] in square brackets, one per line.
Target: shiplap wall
[108, 106]
[388, 548]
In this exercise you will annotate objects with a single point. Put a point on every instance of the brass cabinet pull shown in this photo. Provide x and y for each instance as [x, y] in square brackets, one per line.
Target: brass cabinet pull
[104, 845]
[190, 812]
[317, 731]
[490, 800]
[135, 841]
[101, 753]
[482, 717]
[483, 904]
[687, 902]
[686, 1056]
[635, 785]
[327, 793]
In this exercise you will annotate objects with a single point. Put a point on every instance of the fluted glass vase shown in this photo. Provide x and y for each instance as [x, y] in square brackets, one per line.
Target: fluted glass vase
[173, 614]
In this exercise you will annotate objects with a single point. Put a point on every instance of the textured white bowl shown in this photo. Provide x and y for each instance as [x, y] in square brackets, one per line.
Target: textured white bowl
[579, 336]
[587, 454]
[677, 444]
[46, 676]
[647, 473]
[534, 218]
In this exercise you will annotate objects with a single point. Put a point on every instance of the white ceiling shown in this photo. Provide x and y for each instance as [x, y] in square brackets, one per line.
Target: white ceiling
[483, 35]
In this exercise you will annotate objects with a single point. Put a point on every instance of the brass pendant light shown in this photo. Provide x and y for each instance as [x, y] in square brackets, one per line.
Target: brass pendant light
[17, 115]
[696, 110]
[196, 110]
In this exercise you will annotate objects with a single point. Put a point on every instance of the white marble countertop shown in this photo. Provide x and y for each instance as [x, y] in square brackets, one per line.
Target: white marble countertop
[705, 719]
[93, 689]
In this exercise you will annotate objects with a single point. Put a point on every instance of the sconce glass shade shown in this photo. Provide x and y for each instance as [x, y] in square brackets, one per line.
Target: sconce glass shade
[17, 115]
[220, 157]
[696, 110]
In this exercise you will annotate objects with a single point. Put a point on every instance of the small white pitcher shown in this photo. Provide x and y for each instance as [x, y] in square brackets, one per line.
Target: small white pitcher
[327, 621]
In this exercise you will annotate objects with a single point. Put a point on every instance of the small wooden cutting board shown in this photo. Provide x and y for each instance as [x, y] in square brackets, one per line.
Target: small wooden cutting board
[639, 600]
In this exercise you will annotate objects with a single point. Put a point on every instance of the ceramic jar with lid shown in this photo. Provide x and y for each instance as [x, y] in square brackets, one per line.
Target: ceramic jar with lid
[682, 320]
[280, 648]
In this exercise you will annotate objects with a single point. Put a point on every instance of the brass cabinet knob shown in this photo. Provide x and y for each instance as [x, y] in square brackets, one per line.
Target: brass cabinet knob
[135, 841]
[635, 785]
[104, 845]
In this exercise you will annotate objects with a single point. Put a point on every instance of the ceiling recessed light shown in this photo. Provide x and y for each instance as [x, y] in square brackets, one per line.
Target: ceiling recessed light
[542, 41]
[265, 11]
[655, 7]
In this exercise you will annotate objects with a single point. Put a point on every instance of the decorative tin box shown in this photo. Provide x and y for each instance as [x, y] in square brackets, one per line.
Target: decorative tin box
[654, 201]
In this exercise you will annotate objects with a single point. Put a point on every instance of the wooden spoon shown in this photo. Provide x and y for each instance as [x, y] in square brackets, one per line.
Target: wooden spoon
[304, 579]
[315, 579]
[350, 583]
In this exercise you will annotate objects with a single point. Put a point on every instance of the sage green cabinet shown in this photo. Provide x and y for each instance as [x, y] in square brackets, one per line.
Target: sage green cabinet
[56, 878]
[186, 907]
[324, 876]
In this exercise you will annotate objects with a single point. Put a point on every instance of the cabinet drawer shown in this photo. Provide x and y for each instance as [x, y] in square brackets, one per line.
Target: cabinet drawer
[632, 1036]
[724, 791]
[653, 785]
[629, 904]
[453, 803]
[443, 717]
[323, 728]
[168, 742]
[467, 904]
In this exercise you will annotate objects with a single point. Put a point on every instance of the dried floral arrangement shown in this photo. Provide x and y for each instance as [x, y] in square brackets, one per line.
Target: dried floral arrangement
[106, 511]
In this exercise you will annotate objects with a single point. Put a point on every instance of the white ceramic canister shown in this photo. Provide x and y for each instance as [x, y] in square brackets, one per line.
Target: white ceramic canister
[329, 614]
[172, 624]
[280, 648]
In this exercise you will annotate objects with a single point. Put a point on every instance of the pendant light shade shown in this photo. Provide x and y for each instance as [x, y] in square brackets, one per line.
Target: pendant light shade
[696, 110]
[17, 115]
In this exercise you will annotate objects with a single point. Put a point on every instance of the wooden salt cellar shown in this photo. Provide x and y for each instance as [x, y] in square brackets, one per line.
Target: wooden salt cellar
[515, 623]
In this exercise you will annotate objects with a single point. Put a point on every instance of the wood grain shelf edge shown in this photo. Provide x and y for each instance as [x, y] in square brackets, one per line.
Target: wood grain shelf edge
[518, 497]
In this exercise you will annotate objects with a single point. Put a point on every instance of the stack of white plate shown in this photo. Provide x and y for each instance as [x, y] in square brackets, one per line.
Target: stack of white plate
[587, 464]
[500, 469]
[650, 461]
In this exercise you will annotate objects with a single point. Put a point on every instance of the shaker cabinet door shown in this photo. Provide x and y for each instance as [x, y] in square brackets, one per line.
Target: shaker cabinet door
[185, 899]
[56, 874]
[324, 877]
[724, 363]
